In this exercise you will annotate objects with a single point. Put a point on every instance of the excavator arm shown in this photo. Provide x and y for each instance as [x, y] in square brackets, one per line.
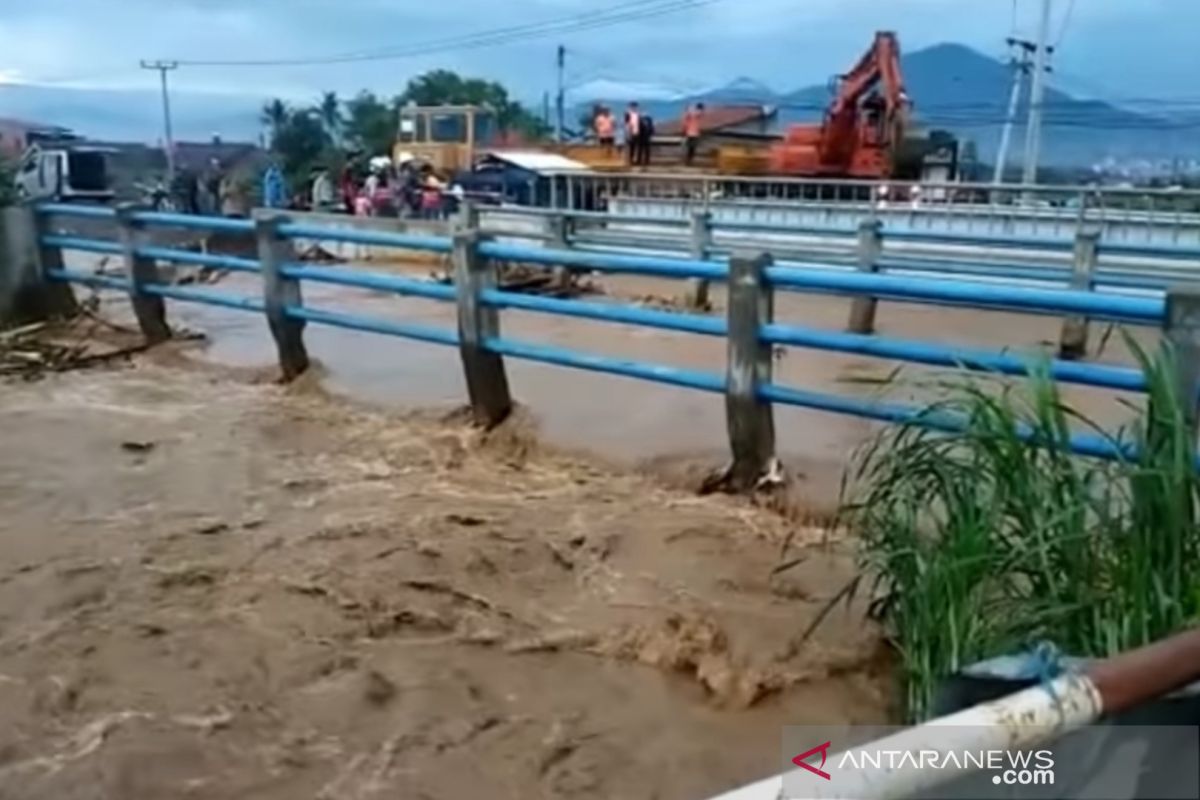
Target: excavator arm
[879, 65]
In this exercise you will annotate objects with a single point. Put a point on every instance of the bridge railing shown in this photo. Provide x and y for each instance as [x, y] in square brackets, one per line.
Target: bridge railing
[749, 327]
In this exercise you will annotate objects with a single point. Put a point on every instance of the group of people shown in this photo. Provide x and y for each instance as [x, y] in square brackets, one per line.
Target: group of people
[215, 191]
[377, 188]
[638, 131]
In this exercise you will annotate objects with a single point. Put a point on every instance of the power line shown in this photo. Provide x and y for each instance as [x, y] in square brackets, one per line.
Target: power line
[1066, 23]
[624, 12]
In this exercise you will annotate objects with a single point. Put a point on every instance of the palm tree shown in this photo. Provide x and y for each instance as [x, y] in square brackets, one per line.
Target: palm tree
[329, 110]
[275, 114]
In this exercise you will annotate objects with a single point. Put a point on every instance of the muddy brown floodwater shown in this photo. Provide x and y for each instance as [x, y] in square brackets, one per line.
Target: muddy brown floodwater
[216, 587]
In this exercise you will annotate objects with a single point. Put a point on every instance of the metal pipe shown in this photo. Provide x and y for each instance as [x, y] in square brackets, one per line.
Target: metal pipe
[403, 241]
[1058, 301]
[90, 279]
[603, 312]
[1019, 721]
[72, 210]
[640, 265]
[194, 222]
[370, 280]
[83, 244]
[420, 333]
[1108, 377]
[232, 263]
[209, 297]
[549, 354]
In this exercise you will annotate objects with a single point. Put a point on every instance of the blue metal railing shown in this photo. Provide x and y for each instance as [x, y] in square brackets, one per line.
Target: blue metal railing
[814, 278]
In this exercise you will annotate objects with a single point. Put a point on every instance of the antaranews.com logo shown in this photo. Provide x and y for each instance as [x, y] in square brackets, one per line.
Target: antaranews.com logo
[1007, 767]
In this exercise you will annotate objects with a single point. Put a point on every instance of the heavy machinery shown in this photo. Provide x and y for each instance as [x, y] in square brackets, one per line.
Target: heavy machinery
[447, 137]
[64, 172]
[863, 131]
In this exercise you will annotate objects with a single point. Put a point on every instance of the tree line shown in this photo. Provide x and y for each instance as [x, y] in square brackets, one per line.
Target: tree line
[305, 137]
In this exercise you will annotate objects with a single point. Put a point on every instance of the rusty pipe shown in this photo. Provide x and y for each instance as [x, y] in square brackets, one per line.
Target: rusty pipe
[1021, 720]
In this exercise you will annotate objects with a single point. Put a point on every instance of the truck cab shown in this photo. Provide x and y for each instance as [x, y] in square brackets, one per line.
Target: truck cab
[64, 173]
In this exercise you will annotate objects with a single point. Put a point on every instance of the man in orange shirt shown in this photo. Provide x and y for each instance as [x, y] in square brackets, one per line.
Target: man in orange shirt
[692, 122]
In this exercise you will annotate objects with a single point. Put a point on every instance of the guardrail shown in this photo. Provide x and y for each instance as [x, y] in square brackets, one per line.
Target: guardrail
[749, 327]
[1083, 262]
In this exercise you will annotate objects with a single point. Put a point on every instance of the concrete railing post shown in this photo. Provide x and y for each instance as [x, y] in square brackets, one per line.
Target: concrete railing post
[701, 243]
[279, 292]
[750, 420]
[26, 292]
[1073, 340]
[559, 230]
[150, 310]
[1182, 330]
[870, 247]
[487, 383]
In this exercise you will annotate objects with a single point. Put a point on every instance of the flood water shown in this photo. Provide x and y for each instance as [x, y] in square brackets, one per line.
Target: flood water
[628, 420]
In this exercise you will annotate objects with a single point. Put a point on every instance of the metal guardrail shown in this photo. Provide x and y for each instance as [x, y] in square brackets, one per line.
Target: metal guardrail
[1045, 259]
[749, 328]
[1130, 214]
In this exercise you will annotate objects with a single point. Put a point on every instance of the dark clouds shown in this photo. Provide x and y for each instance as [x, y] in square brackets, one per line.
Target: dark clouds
[1126, 46]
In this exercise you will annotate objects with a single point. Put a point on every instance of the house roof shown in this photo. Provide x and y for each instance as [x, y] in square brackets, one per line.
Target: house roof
[716, 118]
[537, 161]
[198, 155]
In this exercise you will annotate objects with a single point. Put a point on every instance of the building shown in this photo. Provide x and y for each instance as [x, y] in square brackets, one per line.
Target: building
[720, 126]
[18, 134]
[526, 178]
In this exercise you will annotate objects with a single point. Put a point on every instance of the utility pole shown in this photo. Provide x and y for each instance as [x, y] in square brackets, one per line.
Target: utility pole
[163, 68]
[1020, 65]
[561, 100]
[546, 109]
[1037, 98]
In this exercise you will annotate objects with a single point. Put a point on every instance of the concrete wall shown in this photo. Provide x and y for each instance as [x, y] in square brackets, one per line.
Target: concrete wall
[24, 296]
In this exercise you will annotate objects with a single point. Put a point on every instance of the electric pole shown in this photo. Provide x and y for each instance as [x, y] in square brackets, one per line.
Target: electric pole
[163, 68]
[1020, 65]
[561, 100]
[1037, 98]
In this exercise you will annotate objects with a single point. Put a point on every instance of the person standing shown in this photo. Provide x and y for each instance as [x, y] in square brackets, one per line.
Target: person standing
[606, 132]
[645, 139]
[274, 191]
[693, 121]
[322, 191]
[633, 130]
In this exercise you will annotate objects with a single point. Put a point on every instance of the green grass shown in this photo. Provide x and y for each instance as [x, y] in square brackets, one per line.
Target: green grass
[982, 543]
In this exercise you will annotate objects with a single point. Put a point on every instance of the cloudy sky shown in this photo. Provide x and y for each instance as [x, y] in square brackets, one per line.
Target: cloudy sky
[1114, 48]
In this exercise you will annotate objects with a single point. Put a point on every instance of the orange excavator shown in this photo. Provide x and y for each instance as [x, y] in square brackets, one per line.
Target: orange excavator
[863, 128]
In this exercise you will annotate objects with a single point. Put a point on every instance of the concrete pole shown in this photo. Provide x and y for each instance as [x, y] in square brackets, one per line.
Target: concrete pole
[1020, 67]
[163, 68]
[1037, 98]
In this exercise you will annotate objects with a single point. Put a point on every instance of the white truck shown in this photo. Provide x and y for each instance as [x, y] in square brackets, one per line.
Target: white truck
[64, 173]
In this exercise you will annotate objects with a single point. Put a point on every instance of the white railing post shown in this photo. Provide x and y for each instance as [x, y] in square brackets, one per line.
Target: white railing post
[280, 292]
[487, 383]
[150, 310]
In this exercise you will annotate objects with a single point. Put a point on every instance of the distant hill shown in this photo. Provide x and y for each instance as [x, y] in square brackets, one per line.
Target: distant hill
[958, 89]
[134, 115]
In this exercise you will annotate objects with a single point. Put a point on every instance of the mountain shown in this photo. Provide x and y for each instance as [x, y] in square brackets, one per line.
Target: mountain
[134, 114]
[961, 90]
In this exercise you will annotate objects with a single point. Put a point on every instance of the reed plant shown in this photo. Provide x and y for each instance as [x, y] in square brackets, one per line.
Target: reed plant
[989, 539]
